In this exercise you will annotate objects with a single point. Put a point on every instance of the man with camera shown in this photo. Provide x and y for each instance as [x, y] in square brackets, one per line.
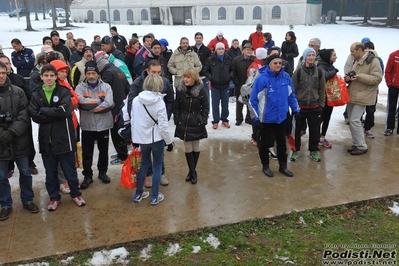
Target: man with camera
[14, 142]
[363, 78]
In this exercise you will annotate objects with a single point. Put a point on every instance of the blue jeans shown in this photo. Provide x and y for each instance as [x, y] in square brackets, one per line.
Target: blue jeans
[206, 86]
[220, 95]
[25, 182]
[157, 149]
[67, 162]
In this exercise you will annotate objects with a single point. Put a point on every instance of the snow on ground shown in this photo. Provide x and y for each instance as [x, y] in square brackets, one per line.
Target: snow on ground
[145, 254]
[105, 257]
[172, 249]
[395, 208]
[213, 241]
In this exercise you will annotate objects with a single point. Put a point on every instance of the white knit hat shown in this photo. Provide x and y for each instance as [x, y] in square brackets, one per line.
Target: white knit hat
[219, 45]
[261, 53]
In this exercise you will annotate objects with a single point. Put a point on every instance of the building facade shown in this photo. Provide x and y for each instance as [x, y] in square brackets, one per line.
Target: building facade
[178, 12]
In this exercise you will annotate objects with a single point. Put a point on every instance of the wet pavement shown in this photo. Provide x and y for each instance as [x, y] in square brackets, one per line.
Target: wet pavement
[231, 188]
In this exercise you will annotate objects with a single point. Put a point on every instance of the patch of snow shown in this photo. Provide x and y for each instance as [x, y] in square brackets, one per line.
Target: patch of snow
[145, 254]
[173, 249]
[66, 261]
[196, 249]
[395, 208]
[105, 257]
[213, 241]
[302, 220]
[285, 259]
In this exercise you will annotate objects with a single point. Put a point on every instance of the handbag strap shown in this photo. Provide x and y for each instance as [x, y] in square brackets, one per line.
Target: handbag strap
[145, 107]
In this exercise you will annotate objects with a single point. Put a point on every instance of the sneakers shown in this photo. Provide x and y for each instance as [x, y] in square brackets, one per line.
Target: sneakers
[64, 188]
[325, 143]
[215, 126]
[31, 207]
[294, 156]
[226, 124]
[114, 156]
[79, 201]
[138, 197]
[5, 213]
[254, 142]
[164, 180]
[33, 170]
[352, 148]
[272, 155]
[156, 200]
[359, 152]
[148, 182]
[368, 134]
[103, 177]
[86, 182]
[315, 156]
[53, 205]
[388, 132]
[117, 161]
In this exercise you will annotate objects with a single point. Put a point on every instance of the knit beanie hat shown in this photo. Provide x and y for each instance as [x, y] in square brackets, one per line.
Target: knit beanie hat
[325, 54]
[164, 42]
[219, 33]
[259, 26]
[155, 42]
[86, 48]
[308, 50]
[261, 53]
[101, 59]
[271, 58]
[113, 28]
[91, 66]
[365, 39]
[219, 45]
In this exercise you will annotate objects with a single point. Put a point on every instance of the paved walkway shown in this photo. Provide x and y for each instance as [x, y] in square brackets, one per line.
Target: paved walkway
[231, 188]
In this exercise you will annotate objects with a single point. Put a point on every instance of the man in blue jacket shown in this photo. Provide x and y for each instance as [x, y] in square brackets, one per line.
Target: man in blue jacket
[22, 58]
[272, 94]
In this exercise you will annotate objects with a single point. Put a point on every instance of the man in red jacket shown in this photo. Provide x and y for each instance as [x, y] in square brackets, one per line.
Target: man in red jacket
[391, 74]
[219, 38]
[256, 38]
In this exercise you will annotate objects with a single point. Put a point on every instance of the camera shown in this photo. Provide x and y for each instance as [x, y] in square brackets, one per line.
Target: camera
[6, 118]
[351, 74]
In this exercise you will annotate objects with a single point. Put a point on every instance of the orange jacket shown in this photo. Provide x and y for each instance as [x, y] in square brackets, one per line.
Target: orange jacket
[256, 40]
[58, 64]
[213, 42]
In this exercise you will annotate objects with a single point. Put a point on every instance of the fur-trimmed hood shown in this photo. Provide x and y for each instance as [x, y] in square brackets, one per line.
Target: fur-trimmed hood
[197, 87]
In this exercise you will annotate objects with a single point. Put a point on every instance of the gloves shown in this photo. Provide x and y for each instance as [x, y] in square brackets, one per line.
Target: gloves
[101, 99]
[7, 136]
[296, 115]
[170, 147]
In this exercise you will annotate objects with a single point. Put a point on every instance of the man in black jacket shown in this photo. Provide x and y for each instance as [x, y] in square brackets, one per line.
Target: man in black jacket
[59, 46]
[120, 88]
[156, 54]
[153, 67]
[219, 70]
[108, 46]
[241, 64]
[20, 82]
[203, 54]
[118, 40]
[14, 138]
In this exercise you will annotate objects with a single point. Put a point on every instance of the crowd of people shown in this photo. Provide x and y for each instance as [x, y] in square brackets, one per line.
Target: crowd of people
[122, 86]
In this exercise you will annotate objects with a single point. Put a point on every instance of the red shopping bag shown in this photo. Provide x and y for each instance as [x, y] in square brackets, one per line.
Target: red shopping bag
[336, 91]
[130, 169]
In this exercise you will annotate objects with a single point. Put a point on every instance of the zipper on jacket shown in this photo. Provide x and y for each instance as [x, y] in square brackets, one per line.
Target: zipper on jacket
[188, 117]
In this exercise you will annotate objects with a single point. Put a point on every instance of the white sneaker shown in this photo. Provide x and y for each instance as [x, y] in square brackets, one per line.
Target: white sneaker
[64, 188]
[164, 180]
[155, 201]
[148, 181]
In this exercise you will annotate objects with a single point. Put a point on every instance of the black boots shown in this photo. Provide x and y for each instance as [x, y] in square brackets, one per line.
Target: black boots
[86, 182]
[192, 159]
[266, 170]
[103, 177]
[283, 169]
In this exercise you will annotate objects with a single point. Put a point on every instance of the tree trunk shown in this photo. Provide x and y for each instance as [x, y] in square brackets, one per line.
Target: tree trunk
[395, 12]
[369, 10]
[341, 8]
[53, 14]
[44, 11]
[36, 13]
[366, 7]
[27, 11]
[391, 5]
[66, 7]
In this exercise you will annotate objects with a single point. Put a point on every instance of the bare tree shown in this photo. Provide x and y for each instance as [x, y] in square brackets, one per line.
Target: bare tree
[366, 10]
[53, 14]
[391, 12]
[67, 4]
[27, 11]
[36, 13]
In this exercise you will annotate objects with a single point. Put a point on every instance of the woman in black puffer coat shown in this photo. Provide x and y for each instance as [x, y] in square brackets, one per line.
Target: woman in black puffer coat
[191, 116]
[289, 48]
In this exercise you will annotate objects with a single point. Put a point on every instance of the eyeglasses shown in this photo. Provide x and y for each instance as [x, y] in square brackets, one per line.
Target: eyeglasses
[3, 73]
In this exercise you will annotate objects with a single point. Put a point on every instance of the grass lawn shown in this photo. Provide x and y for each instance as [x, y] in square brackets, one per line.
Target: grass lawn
[299, 238]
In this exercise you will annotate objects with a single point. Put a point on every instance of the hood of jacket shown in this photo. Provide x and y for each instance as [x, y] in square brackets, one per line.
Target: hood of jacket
[5, 86]
[178, 50]
[150, 97]
[195, 90]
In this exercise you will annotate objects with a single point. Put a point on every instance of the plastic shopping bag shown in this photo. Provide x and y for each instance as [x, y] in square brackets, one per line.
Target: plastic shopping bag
[130, 169]
[336, 91]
